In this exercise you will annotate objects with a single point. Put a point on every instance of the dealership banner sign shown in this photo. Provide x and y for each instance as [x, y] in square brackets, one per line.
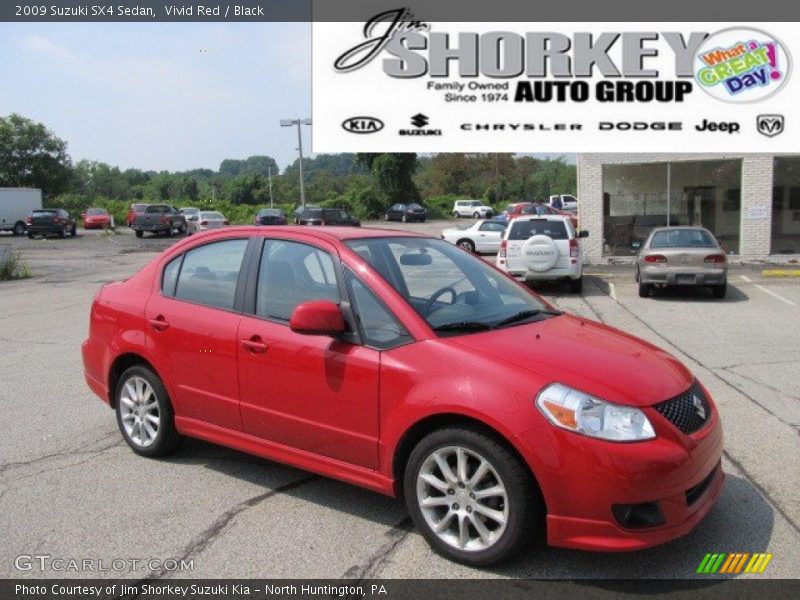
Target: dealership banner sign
[396, 82]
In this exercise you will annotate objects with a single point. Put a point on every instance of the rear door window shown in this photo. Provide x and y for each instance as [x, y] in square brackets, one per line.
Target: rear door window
[210, 273]
[522, 230]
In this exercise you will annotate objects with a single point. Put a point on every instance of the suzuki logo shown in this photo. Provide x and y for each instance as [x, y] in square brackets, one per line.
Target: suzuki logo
[698, 407]
[419, 120]
[770, 125]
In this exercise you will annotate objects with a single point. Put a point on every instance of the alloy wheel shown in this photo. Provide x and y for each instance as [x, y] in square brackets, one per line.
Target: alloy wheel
[462, 498]
[139, 411]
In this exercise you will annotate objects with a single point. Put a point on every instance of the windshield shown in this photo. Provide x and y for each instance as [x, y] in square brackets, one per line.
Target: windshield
[682, 238]
[453, 291]
[522, 230]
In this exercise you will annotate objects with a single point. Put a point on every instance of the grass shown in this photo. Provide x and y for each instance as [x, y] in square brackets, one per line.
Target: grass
[14, 268]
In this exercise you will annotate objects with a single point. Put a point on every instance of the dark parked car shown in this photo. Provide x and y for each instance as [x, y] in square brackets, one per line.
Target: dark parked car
[327, 216]
[51, 221]
[300, 210]
[270, 216]
[158, 219]
[406, 213]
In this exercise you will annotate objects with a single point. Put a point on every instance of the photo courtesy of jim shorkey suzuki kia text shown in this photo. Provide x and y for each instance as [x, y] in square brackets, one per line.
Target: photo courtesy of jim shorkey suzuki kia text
[311, 299]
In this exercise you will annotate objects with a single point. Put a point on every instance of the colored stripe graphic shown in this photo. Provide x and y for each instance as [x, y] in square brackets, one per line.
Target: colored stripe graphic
[721, 562]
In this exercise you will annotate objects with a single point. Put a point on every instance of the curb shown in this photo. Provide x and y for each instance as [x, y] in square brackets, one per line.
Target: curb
[780, 273]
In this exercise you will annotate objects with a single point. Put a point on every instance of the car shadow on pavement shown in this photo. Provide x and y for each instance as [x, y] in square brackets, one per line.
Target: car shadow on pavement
[742, 521]
[596, 286]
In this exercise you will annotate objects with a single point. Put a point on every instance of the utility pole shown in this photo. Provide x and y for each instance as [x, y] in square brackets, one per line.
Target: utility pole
[297, 123]
[269, 176]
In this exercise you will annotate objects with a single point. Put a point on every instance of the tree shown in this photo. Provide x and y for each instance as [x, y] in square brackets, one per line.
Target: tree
[393, 174]
[32, 156]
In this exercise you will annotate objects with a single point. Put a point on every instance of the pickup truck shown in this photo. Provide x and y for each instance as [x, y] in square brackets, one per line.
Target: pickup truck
[158, 219]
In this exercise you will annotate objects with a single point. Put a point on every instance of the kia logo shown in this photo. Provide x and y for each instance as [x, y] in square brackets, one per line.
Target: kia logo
[362, 125]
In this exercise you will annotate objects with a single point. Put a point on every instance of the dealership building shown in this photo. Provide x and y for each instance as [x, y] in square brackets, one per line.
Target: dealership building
[751, 202]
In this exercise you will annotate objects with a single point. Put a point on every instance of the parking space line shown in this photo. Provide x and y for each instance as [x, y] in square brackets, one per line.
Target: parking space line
[775, 295]
[612, 290]
[746, 278]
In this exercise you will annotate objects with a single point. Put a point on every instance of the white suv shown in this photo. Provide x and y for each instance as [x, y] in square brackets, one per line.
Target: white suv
[472, 208]
[543, 248]
[563, 202]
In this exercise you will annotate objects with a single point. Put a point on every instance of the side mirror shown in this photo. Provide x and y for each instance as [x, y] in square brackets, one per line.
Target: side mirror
[583, 234]
[317, 317]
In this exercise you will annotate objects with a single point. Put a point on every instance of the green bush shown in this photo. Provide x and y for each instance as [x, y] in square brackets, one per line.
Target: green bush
[13, 268]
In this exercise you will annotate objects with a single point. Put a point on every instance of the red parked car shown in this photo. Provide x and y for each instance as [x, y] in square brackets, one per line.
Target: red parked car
[522, 209]
[134, 211]
[96, 218]
[404, 365]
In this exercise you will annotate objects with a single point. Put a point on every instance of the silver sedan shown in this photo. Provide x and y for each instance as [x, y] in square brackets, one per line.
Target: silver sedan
[681, 256]
[204, 220]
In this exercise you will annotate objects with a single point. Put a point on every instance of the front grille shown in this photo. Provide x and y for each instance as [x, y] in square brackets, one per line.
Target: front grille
[689, 411]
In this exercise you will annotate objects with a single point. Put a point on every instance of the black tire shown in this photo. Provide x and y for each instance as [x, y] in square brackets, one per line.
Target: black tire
[74, 231]
[636, 274]
[476, 215]
[576, 285]
[167, 438]
[525, 508]
[63, 233]
[456, 215]
[644, 290]
[30, 236]
[422, 220]
[19, 228]
[404, 219]
[719, 291]
[467, 245]
[139, 233]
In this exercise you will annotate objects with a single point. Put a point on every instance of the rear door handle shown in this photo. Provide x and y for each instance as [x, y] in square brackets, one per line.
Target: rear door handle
[254, 345]
[159, 323]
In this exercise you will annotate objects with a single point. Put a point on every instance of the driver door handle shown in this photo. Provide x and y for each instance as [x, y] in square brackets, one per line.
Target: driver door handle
[254, 345]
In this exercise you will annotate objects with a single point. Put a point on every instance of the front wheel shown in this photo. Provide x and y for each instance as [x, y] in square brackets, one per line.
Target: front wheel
[139, 233]
[472, 499]
[456, 215]
[476, 215]
[144, 413]
[19, 228]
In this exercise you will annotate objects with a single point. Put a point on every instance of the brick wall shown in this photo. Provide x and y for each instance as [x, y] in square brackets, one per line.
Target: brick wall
[756, 190]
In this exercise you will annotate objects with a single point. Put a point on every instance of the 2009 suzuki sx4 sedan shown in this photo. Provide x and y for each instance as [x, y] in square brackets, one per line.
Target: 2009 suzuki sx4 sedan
[405, 365]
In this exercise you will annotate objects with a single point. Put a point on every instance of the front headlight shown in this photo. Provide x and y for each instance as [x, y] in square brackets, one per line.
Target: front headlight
[579, 412]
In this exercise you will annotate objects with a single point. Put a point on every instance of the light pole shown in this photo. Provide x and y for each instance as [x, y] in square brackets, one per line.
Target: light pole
[291, 123]
[269, 174]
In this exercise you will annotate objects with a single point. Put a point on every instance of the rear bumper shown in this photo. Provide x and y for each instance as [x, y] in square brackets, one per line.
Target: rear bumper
[95, 383]
[152, 228]
[46, 228]
[582, 479]
[682, 276]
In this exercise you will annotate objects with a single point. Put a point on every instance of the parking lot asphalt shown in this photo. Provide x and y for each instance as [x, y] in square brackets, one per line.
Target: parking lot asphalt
[70, 488]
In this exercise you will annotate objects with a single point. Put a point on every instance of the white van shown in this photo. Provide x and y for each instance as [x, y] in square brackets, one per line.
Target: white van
[566, 202]
[16, 205]
[543, 248]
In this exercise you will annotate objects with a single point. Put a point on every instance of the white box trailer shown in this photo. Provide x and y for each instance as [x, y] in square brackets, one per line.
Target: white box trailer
[16, 205]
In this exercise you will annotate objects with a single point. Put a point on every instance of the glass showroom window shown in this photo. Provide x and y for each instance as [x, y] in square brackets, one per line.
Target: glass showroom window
[786, 206]
[639, 197]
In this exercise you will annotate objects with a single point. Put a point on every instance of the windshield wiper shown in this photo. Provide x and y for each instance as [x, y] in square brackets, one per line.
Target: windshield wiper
[526, 314]
[463, 326]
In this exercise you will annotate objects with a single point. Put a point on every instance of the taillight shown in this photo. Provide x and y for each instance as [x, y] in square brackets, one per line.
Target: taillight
[29, 220]
[165, 220]
[203, 222]
[573, 248]
[715, 258]
[56, 220]
[225, 223]
[503, 246]
[655, 258]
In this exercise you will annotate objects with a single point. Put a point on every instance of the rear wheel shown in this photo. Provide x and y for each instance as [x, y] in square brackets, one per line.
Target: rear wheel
[30, 235]
[576, 285]
[63, 232]
[636, 274]
[644, 290]
[456, 215]
[719, 291]
[74, 231]
[404, 219]
[471, 498]
[19, 228]
[476, 215]
[139, 233]
[466, 245]
[144, 413]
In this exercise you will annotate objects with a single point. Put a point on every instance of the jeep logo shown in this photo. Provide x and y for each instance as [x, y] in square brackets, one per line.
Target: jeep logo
[362, 125]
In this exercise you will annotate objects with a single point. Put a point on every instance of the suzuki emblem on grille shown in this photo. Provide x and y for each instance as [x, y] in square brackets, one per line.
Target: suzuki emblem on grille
[698, 407]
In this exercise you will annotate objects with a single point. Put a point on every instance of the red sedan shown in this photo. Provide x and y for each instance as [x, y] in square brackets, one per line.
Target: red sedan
[404, 365]
[135, 209]
[96, 218]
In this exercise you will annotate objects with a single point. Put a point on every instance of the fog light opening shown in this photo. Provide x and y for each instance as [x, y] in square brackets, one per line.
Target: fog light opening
[638, 516]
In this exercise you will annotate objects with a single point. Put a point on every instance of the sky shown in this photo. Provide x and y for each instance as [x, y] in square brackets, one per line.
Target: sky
[161, 96]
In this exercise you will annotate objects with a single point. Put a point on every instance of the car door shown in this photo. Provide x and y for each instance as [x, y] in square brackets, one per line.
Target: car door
[313, 393]
[192, 325]
[490, 234]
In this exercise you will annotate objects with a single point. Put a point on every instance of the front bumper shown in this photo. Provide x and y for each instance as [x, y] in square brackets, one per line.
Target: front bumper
[682, 275]
[581, 479]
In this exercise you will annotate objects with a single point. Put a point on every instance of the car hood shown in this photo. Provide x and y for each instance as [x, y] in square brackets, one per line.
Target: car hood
[586, 355]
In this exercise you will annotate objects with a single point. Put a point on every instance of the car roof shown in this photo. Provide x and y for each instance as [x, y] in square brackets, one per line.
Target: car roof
[328, 234]
[542, 218]
[677, 227]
